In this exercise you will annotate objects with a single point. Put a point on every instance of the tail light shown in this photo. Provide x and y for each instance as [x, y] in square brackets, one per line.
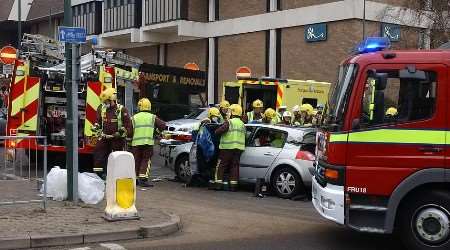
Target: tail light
[305, 155]
[184, 138]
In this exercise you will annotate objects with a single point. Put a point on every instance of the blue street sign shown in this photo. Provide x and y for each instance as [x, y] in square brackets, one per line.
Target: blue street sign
[71, 34]
[391, 31]
[316, 32]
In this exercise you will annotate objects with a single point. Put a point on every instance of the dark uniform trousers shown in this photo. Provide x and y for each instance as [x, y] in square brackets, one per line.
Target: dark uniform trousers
[228, 161]
[102, 150]
[142, 156]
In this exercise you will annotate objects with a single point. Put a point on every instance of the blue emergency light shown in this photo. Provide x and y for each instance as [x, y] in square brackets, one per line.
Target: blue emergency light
[373, 44]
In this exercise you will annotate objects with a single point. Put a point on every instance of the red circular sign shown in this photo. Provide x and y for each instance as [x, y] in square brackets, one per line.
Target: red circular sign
[243, 72]
[8, 55]
[191, 66]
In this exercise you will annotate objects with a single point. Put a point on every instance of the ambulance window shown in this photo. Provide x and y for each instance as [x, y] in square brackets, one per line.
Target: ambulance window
[312, 101]
[402, 100]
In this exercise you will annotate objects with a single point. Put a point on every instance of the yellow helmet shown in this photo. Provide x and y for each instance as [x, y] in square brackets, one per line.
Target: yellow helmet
[258, 104]
[213, 112]
[144, 105]
[307, 108]
[270, 113]
[224, 104]
[108, 94]
[236, 110]
[296, 108]
[391, 111]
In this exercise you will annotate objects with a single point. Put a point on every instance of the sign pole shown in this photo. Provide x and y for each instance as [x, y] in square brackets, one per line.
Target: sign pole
[72, 192]
[76, 75]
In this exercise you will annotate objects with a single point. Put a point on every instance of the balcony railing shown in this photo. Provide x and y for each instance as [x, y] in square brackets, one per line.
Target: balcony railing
[88, 15]
[159, 11]
[122, 14]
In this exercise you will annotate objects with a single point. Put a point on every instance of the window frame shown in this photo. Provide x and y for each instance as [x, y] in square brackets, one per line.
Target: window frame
[258, 128]
[382, 68]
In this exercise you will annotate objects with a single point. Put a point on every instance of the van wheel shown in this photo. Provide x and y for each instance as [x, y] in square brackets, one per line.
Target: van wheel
[183, 168]
[287, 183]
[425, 221]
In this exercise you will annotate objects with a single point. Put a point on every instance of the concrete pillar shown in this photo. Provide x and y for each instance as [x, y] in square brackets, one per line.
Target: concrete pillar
[211, 55]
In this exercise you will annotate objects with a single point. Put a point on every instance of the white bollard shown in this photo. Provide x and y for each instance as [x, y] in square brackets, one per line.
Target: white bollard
[121, 187]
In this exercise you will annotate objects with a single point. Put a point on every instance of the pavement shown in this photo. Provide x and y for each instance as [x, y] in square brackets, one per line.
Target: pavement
[65, 223]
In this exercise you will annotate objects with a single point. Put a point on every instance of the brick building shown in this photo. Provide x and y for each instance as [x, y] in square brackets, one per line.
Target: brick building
[294, 39]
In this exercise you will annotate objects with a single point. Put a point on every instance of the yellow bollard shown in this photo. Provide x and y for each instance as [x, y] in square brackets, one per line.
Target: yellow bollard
[121, 187]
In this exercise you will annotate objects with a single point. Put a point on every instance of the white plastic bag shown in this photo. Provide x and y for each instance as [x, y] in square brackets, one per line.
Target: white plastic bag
[56, 184]
[91, 188]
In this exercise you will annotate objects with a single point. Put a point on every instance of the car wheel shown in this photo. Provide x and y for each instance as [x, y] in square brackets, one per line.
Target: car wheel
[424, 221]
[286, 182]
[183, 169]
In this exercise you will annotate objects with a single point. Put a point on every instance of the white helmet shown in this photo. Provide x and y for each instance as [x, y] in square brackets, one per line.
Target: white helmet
[296, 108]
[287, 114]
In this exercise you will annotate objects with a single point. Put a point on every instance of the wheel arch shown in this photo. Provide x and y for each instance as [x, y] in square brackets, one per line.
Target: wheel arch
[417, 182]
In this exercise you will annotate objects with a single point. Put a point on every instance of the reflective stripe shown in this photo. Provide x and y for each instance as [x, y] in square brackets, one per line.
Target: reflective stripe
[233, 182]
[233, 142]
[393, 136]
[144, 126]
[250, 116]
[98, 169]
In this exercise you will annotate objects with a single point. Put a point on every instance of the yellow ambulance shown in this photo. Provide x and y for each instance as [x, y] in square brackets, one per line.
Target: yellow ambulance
[276, 92]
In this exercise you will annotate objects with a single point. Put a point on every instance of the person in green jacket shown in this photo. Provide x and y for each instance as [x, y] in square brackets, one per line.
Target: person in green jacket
[144, 124]
[232, 144]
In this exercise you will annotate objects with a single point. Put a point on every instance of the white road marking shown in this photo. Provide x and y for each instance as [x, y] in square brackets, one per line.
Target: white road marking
[112, 246]
[81, 248]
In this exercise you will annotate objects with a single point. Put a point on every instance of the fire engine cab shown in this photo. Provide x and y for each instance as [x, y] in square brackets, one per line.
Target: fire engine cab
[382, 156]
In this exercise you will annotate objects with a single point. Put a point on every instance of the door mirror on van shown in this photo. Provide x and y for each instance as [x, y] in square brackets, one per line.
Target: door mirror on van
[381, 81]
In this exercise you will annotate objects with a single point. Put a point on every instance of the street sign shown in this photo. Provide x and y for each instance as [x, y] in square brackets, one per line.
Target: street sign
[8, 69]
[75, 35]
[316, 32]
[8, 55]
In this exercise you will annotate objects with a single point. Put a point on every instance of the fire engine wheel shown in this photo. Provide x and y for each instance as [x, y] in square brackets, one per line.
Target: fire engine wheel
[183, 169]
[286, 182]
[425, 221]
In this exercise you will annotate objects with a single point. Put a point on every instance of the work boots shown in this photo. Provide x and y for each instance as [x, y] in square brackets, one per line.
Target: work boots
[144, 182]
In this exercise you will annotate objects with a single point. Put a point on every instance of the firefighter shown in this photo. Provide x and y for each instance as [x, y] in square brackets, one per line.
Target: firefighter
[287, 118]
[269, 116]
[391, 114]
[144, 124]
[297, 117]
[224, 108]
[256, 114]
[214, 117]
[112, 125]
[280, 113]
[232, 144]
[306, 114]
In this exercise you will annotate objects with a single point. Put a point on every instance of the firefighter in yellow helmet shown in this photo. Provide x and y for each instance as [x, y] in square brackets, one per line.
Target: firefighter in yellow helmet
[112, 125]
[232, 144]
[297, 117]
[144, 125]
[306, 114]
[224, 108]
[256, 114]
[391, 114]
[269, 116]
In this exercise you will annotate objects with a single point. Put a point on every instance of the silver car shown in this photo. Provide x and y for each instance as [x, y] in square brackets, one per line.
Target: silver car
[282, 156]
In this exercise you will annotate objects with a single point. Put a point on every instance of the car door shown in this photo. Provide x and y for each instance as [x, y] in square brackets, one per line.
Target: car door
[262, 149]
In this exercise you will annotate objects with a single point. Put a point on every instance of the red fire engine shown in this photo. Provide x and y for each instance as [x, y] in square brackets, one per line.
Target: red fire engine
[383, 155]
[37, 103]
